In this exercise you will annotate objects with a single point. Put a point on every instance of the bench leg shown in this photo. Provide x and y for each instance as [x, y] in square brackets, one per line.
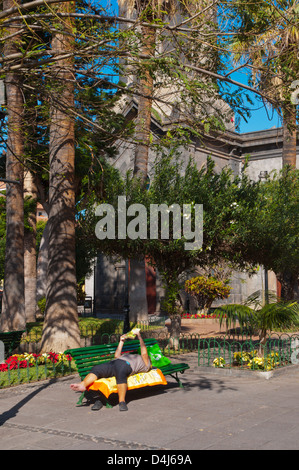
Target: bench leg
[177, 379]
[82, 396]
[79, 403]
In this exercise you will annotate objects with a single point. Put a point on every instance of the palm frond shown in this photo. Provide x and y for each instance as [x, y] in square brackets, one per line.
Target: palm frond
[255, 300]
[278, 315]
[233, 313]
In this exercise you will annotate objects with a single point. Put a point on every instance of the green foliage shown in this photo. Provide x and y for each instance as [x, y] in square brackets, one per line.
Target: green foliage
[171, 183]
[172, 289]
[263, 318]
[267, 227]
[42, 305]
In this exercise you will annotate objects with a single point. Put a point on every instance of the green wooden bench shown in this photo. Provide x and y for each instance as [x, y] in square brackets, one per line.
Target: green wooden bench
[86, 358]
[11, 340]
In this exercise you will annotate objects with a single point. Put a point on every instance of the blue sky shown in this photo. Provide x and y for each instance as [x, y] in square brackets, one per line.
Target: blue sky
[260, 120]
[262, 117]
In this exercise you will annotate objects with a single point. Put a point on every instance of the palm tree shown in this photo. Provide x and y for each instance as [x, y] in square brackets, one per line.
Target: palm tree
[260, 317]
[143, 121]
[13, 313]
[146, 11]
[268, 40]
[61, 330]
[30, 191]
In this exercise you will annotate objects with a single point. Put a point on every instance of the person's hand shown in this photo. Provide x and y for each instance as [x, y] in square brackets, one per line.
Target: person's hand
[123, 338]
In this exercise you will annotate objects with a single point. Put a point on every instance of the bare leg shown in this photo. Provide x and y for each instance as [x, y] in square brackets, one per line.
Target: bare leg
[122, 390]
[82, 386]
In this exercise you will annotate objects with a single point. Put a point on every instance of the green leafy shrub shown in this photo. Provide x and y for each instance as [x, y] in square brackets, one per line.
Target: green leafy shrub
[206, 290]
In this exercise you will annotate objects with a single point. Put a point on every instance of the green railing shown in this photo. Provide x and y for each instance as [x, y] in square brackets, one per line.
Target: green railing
[92, 330]
[279, 351]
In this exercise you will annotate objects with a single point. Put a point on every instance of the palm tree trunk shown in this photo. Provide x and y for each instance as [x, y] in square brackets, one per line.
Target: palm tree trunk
[30, 252]
[13, 312]
[42, 265]
[262, 342]
[289, 150]
[61, 330]
[143, 121]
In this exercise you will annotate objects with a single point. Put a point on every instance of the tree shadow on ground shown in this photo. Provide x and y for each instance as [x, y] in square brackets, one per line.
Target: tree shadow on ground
[201, 383]
[12, 412]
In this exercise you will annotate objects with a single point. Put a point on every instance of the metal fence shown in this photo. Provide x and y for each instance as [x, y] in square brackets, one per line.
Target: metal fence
[278, 351]
[91, 332]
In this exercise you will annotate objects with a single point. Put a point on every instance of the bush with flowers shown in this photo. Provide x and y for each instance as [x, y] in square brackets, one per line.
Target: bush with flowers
[207, 289]
[187, 315]
[253, 361]
[23, 361]
[219, 362]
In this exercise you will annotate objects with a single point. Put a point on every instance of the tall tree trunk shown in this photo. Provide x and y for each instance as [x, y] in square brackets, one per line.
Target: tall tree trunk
[61, 330]
[30, 251]
[142, 136]
[42, 265]
[289, 150]
[143, 120]
[288, 281]
[13, 311]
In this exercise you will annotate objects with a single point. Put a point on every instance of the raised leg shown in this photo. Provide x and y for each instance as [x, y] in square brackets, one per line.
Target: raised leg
[82, 386]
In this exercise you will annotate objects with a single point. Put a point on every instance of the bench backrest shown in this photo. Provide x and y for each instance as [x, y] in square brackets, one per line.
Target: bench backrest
[11, 340]
[86, 358]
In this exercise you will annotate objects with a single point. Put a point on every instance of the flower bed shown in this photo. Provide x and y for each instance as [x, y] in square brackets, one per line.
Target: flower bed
[251, 360]
[24, 368]
[22, 361]
[192, 316]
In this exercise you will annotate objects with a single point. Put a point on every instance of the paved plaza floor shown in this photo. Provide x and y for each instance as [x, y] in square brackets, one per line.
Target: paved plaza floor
[212, 412]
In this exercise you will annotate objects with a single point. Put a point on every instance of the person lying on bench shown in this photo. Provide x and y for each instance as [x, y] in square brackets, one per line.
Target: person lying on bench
[121, 368]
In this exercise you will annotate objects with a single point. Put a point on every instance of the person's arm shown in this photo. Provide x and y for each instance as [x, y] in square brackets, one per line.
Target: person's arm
[118, 351]
[143, 350]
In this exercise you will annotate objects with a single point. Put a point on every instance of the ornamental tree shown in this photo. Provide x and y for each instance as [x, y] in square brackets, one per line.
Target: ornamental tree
[206, 290]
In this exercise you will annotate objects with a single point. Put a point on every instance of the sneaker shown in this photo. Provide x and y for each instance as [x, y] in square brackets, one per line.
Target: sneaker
[123, 406]
[97, 405]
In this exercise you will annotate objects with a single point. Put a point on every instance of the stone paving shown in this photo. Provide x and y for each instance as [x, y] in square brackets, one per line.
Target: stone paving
[212, 412]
